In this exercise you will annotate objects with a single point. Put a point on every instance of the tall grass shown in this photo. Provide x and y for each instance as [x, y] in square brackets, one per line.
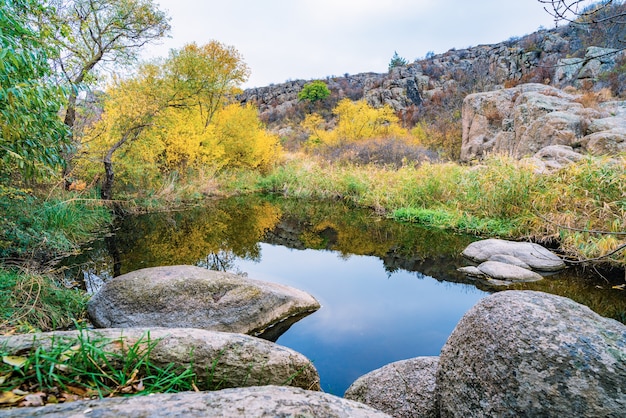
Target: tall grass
[502, 197]
[33, 302]
[34, 226]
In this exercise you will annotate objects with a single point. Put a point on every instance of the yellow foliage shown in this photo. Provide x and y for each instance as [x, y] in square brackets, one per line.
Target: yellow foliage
[356, 121]
[238, 130]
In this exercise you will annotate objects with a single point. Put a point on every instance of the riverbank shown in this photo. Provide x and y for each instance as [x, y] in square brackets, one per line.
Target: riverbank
[581, 209]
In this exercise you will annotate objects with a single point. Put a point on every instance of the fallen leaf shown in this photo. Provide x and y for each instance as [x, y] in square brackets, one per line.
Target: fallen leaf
[76, 390]
[9, 398]
[4, 378]
[620, 286]
[15, 361]
[34, 399]
[20, 392]
[67, 354]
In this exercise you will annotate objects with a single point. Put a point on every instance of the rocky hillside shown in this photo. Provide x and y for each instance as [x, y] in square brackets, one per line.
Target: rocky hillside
[570, 55]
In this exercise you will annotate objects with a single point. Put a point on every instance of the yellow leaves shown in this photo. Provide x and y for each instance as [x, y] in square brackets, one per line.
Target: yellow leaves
[356, 121]
[15, 361]
[10, 398]
[245, 143]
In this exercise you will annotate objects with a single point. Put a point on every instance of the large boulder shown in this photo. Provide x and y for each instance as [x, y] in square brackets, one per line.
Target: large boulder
[523, 120]
[219, 359]
[194, 297]
[404, 389]
[254, 402]
[533, 255]
[526, 353]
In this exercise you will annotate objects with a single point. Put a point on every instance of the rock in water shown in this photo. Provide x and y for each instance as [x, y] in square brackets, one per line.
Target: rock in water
[218, 359]
[508, 272]
[255, 402]
[534, 255]
[194, 297]
[403, 389]
[526, 353]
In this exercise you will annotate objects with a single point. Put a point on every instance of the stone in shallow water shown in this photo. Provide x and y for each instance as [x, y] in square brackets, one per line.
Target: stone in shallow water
[526, 353]
[508, 272]
[194, 297]
[534, 255]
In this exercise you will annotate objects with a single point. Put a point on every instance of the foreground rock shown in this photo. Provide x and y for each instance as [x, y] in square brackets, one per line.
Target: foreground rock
[188, 296]
[404, 389]
[220, 360]
[255, 402]
[523, 353]
[521, 254]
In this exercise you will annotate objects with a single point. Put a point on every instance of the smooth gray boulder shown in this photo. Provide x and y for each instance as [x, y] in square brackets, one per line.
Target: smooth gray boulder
[509, 272]
[403, 389]
[220, 359]
[194, 297]
[253, 402]
[526, 353]
[534, 255]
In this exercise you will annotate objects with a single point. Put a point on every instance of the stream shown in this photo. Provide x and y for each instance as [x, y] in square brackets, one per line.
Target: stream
[389, 291]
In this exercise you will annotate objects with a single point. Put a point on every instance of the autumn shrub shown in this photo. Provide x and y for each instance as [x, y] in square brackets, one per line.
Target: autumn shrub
[355, 121]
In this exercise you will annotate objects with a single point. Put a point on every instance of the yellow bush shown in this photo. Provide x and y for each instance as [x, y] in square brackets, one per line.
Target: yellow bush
[355, 121]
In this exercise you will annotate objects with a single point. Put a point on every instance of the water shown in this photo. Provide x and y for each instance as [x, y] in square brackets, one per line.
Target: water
[388, 291]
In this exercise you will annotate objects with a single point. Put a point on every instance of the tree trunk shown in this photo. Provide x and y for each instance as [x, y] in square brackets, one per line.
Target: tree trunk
[107, 185]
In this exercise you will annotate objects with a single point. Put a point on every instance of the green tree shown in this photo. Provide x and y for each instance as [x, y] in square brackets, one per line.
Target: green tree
[397, 61]
[93, 34]
[32, 136]
[314, 91]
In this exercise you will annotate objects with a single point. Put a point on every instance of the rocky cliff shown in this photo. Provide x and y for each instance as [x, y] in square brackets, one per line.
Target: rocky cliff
[559, 57]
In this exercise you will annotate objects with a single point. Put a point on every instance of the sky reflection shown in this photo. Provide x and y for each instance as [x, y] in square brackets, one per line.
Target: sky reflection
[369, 317]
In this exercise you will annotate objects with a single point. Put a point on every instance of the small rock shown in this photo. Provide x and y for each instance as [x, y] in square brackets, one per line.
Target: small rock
[508, 272]
[404, 389]
[509, 259]
[534, 255]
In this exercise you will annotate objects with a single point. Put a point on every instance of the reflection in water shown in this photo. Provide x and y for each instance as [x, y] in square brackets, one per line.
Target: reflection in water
[388, 290]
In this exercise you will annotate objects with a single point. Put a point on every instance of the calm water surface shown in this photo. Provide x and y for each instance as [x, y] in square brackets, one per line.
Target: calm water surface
[388, 291]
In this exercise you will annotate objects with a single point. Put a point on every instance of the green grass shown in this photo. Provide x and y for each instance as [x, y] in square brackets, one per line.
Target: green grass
[33, 302]
[36, 227]
[88, 366]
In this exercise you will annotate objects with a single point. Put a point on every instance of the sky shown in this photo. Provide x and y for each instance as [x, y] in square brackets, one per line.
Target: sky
[283, 40]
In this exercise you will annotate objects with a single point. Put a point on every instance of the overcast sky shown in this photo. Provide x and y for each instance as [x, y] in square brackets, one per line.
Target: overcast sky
[284, 40]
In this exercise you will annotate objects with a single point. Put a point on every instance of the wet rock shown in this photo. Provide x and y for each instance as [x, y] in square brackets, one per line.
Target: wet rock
[534, 255]
[219, 359]
[404, 389]
[254, 402]
[194, 297]
[526, 353]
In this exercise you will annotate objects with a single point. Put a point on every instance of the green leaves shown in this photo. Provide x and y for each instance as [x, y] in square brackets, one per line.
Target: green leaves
[314, 91]
[32, 135]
